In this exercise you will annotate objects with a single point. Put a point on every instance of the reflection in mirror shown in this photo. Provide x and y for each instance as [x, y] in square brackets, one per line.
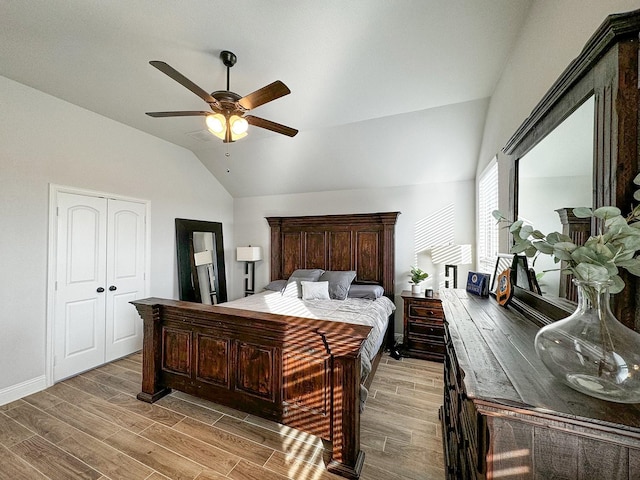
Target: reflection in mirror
[204, 254]
[201, 271]
[556, 175]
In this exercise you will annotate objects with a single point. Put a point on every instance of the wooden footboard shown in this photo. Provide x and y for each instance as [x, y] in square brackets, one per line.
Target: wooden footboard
[300, 372]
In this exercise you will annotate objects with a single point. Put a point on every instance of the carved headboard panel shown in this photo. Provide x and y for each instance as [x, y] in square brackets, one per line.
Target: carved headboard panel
[361, 242]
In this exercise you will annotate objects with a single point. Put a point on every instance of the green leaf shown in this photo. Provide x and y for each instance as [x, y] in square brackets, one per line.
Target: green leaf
[637, 179]
[591, 273]
[584, 254]
[583, 212]
[629, 243]
[497, 214]
[525, 231]
[561, 254]
[544, 247]
[565, 246]
[606, 212]
[537, 234]
[632, 266]
[554, 237]
[515, 226]
[636, 195]
[618, 285]
[520, 247]
[616, 222]
[564, 238]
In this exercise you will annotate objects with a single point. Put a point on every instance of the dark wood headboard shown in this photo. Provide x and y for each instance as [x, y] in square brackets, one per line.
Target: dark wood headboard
[362, 242]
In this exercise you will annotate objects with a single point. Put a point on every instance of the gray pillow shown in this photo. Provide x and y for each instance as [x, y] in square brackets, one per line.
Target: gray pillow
[339, 283]
[294, 287]
[370, 292]
[314, 273]
[276, 285]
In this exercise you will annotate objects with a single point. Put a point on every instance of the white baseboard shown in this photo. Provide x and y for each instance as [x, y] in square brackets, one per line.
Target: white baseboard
[15, 392]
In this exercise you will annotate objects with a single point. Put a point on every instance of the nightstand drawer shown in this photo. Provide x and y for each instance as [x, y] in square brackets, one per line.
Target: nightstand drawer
[425, 311]
[431, 347]
[427, 329]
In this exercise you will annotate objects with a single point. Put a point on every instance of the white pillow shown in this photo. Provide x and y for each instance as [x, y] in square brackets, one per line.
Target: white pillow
[294, 288]
[315, 290]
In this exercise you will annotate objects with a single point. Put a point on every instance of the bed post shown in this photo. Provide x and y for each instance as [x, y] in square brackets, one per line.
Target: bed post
[151, 351]
[388, 221]
[276, 247]
[346, 459]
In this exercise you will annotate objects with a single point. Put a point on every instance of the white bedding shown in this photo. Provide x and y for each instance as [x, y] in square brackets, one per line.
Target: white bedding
[374, 313]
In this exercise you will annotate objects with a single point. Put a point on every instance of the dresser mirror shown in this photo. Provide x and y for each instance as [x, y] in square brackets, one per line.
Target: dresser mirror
[586, 128]
[557, 174]
[201, 271]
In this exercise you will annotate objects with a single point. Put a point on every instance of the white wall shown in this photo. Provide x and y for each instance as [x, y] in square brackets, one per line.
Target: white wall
[46, 140]
[414, 202]
[552, 36]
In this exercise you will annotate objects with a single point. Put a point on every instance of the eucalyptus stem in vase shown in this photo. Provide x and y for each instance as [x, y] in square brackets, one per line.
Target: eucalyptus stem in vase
[591, 351]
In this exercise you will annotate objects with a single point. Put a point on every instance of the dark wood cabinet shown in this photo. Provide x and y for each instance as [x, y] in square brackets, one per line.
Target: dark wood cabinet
[505, 416]
[423, 326]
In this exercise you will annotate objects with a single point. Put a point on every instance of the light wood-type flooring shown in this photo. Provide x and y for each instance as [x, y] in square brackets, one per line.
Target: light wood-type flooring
[92, 427]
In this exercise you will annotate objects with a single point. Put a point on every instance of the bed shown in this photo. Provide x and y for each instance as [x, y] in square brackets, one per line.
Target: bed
[301, 371]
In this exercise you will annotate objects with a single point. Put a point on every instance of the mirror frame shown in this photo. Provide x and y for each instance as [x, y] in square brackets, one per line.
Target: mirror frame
[186, 264]
[606, 68]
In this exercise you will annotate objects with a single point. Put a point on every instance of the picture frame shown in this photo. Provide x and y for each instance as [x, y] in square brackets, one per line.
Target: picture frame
[503, 261]
[525, 277]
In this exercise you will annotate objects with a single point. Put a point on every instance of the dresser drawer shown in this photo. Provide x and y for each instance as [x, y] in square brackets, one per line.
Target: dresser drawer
[428, 329]
[424, 344]
[418, 310]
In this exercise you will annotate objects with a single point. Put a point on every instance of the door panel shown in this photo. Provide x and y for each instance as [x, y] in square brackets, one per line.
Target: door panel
[125, 273]
[81, 319]
[81, 260]
[100, 246]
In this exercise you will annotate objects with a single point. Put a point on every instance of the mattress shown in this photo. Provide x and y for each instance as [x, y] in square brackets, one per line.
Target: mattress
[374, 313]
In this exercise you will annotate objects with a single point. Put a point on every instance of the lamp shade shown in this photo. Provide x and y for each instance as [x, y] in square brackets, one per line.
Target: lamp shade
[248, 254]
[451, 254]
[203, 258]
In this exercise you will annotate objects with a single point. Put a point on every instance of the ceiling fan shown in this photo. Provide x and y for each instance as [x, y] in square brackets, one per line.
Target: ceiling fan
[228, 119]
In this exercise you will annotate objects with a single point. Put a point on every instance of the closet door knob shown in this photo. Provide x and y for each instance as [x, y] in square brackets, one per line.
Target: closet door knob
[112, 288]
[100, 290]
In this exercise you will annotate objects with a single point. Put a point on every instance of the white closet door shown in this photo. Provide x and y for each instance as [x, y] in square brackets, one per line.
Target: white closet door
[125, 277]
[79, 325]
[100, 268]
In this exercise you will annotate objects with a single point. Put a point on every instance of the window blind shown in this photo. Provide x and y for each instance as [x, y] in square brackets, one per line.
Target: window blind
[487, 226]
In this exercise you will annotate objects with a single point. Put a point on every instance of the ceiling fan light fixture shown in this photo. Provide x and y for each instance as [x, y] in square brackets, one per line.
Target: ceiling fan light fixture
[238, 125]
[216, 124]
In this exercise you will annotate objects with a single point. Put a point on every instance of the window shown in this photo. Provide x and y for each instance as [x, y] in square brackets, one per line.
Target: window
[487, 226]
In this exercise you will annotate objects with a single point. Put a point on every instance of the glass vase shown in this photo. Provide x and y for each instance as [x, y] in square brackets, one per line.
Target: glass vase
[591, 351]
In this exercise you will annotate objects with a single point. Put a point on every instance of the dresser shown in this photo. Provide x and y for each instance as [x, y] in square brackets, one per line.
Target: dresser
[423, 326]
[505, 416]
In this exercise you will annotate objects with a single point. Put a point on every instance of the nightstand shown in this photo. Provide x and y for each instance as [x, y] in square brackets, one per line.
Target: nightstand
[423, 326]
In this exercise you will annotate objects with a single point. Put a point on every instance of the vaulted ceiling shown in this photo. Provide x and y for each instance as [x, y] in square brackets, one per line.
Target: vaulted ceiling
[384, 93]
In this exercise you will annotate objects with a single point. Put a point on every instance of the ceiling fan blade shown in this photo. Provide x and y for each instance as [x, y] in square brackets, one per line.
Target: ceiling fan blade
[178, 114]
[266, 94]
[185, 82]
[269, 125]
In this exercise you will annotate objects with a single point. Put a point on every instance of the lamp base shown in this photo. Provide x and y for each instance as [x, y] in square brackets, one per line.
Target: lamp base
[453, 270]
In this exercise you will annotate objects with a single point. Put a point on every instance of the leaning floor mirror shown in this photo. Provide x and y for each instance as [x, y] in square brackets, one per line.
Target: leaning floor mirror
[201, 272]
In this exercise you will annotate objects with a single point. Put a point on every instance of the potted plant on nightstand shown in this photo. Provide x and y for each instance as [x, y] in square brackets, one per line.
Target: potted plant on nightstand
[417, 276]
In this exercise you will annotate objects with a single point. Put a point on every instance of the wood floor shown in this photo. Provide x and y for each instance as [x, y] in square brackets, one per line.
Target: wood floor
[92, 427]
